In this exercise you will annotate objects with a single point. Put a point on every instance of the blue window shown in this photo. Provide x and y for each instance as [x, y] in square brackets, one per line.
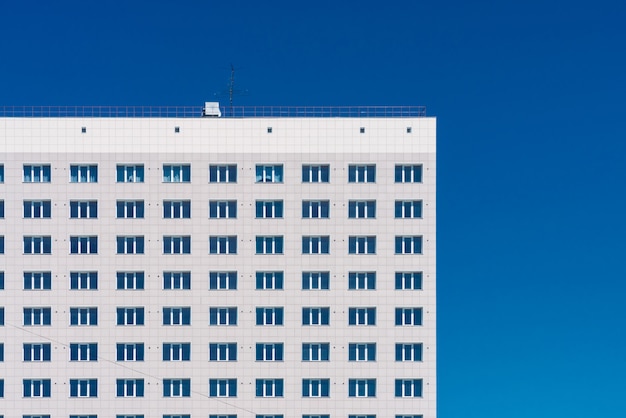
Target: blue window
[316, 416]
[269, 351]
[271, 173]
[408, 316]
[315, 280]
[223, 245]
[222, 208]
[177, 209]
[223, 316]
[84, 316]
[223, 416]
[408, 209]
[315, 208]
[34, 173]
[1, 352]
[223, 173]
[408, 388]
[130, 316]
[408, 351]
[362, 352]
[315, 388]
[269, 388]
[83, 209]
[1, 173]
[37, 208]
[222, 388]
[176, 351]
[269, 280]
[35, 416]
[362, 416]
[362, 280]
[269, 416]
[269, 245]
[129, 209]
[2, 390]
[180, 173]
[176, 280]
[362, 245]
[129, 388]
[1, 280]
[177, 416]
[362, 209]
[84, 245]
[130, 173]
[315, 245]
[83, 352]
[222, 352]
[270, 316]
[130, 245]
[362, 173]
[1, 209]
[269, 208]
[1, 244]
[37, 351]
[37, 316]
[409, 280]
[315, 173]
[130, 280]
[1, 316]
[177, 315]
[315, 351]
[361, 388]
[129, 351]
[177, 244]
[223, 280]
[315, 316]
[129, 416]
[83, 416]
[37, 280]
[409, 245]
[83, 388]
[408, 173]
[176, 388]
[36, 388]
[83, 173]
[362, 316]
[409, 416]
[37, 245]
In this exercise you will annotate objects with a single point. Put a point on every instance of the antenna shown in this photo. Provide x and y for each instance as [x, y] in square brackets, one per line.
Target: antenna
[231, 91]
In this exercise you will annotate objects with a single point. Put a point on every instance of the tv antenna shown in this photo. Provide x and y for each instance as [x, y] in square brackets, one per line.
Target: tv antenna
[231, 91]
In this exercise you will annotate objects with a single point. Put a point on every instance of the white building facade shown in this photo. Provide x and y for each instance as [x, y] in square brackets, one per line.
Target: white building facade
[218, 266]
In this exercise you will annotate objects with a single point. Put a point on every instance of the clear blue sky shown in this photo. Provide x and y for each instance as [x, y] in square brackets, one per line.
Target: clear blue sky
[532, 148]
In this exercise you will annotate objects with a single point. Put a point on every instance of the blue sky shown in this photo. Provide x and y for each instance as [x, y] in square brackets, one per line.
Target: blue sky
[530, 104]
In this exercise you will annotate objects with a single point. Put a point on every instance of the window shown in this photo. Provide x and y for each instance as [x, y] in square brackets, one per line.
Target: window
[409, 416]
[222, 388]
[177, 245]
[37, 316]
[362, 316]
[269, 280]
[176, 280]
[129, 351]
[269, 416]
[269, 173]
[37, 388]
[269, 245]
[362, 245]
[1, 244]
[37, 351]
[315, 316]
[176, 388]
[223, 280]
[408, 209]
[269, 316]
[129, 388]
[315, 245]
[315, 351]
[223, 245]
[35, 416]
[1, 209]
[315, 173]
[269, 351]
[362, 352]
[362, 280]
[1, 316]
[361, 388]
[362, 209]
[269, 388]
[362, 173]
[129, 209]
[83, 245]
[223, 416]
[37, 208]
[37, 245]
[129, 416]
[83, 209]
[37, 280]
[83, 173]
[226, 173]
[177, 209]
[222, 208]
[83, 388]
[1, 352]
[176, 351]
[130, 280]
[315, 280]
[177, 315]
[362, 416]
[315, 388]
[130, 316]
[130, 245]
[409, 245]
[130, 173]
[177, 416]
[408, 173]
[222, 316]
[1, 280]
[269, 208]
[84, 316]
[222, 352]
[1, 173]
[408, 388]
[83, 352]
[409, 316]
[408, 280]
[176, 173]
[36, 173]
[408, 351]
[316, 416]
[83, 416]
[84, 280]
[315, 208]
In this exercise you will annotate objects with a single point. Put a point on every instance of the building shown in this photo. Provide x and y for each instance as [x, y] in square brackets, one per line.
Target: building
[271, 262]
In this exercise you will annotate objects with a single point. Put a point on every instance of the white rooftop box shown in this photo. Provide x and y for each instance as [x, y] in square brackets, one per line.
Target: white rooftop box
[211, 109]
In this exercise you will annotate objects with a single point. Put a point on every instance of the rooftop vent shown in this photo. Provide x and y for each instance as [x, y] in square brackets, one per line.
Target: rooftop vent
[211, 110]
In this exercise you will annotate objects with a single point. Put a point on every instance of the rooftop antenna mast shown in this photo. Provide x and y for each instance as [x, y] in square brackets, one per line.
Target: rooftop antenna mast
[231, 91]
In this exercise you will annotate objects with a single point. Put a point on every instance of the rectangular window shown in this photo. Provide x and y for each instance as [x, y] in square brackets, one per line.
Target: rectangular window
[37, 351]
[409, 280]
[316, 416]
[83, 416]
[83, 173]
[315, 244]
[176, 173]
[269, 280]
[176, 388]
[130, 316]
[408, 388]
[408, 316]
[362, 316]
[1, 173]
[361, 388]
[84, 316]
[83, 388]
[269, 245]
[129, 209]
[177, 209]
[408, 351]
[222, 388]
[223, 316]
[84, 280]
[361, 173]
[1, 316]
[179, 315]
[36, 173]
[269, 208]
[38, 245]
[409, 245]
[269, 351]
[84, 245]
[176, 280]
[222, 208]
[362, 245]
[362, 209]
[270, 316]
[362, 352]
[315, 173]
[223, 280]
[177, 416]
[129, 416]
[176, 351]
[130, 280]
[408, 209]
[408, 173]
[315, 280]
[362, 416]
[37, 208]
[315, 316]
[37, 388]
[269, 173]
[223, 173]
[223, 416]
[315, 351]
[315, 388]
[129, 388]
[409, 416]
[37, 316]
[130, 245]
[315, 208]
[37, 280]
[1, 209]
[223, 245]
[129, 351]
[1, 352]
[35, 416]
[269, 416]
[130, 173]
[269, 388]
[83, 352]
[1, 280]
[83, 209]
[177, 245]
[362, 280]
[222, 352]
